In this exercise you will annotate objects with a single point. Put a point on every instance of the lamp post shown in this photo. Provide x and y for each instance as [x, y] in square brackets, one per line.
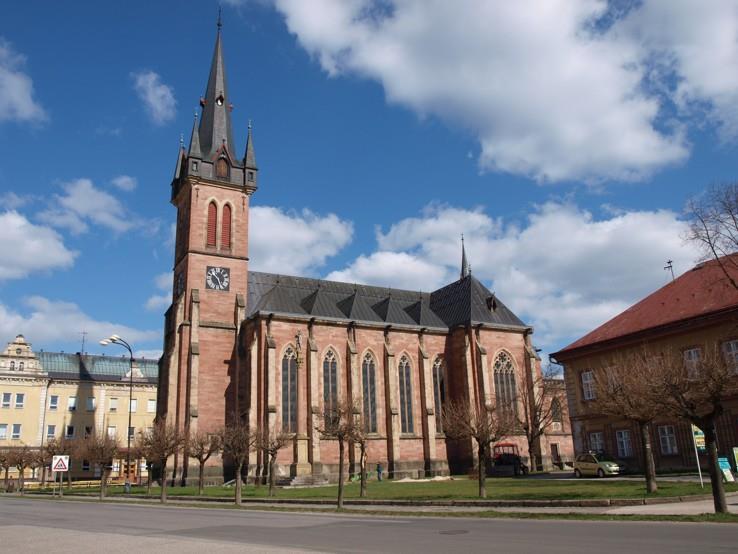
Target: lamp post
[115, 339]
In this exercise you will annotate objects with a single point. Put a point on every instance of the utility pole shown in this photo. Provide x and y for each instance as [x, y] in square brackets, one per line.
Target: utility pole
[669, 266]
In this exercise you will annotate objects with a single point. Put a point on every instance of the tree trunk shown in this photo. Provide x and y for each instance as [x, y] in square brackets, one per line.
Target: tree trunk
[201, 479]
[43, 476]
[148, 479]
[482, 462]
[649, 468]
[103, 482]
[362, 466]
[7, 477]
[716, 477]
[164, 482]
[21, 480]
[341, 447]
[238, 483]
[272, 463]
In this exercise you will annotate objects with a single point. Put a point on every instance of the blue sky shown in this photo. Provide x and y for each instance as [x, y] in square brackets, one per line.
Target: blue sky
[562, 141]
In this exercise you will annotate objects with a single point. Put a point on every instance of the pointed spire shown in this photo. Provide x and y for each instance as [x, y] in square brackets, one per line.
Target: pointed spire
[215, 125]
[465, 267]
[195, 151]
[249, 159]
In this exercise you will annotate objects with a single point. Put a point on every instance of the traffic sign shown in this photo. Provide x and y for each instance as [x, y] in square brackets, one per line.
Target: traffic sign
[60, 463]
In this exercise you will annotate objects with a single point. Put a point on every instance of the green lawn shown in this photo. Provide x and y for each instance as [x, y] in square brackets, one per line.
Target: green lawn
[460, 489]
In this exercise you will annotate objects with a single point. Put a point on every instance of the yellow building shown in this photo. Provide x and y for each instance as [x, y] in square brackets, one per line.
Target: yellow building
[46, 395]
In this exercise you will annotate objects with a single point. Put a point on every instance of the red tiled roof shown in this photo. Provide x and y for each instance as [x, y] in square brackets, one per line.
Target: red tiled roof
[701, 291]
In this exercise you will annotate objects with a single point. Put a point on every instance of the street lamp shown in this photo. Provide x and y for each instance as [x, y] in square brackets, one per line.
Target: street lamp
[115, 339]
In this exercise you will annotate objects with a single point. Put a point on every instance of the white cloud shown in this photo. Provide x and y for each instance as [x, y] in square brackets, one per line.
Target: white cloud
[13, 201]
[294, 242]
[157, 302]
[81, 204]
[29, 248]
[17, 101]
[47, 321]
[158, 98]
[125, 182]
[547, 93]
[562, 270]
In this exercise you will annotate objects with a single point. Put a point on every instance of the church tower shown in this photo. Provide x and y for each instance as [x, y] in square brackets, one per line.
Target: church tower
[211, 189]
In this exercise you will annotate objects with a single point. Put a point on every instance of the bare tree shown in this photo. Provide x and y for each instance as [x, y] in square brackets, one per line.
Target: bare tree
[713, 225]
[22, 457]
[624, 389]
[270, 442]
[201, 446]
[697, 391]
[537, 400]
[161, 442]
[6, 462]
[463, 421]
[143, 451]
[100, 450]
[359, 437]
[237, 440]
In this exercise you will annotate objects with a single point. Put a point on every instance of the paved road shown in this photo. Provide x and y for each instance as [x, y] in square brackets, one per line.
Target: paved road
[59, 526]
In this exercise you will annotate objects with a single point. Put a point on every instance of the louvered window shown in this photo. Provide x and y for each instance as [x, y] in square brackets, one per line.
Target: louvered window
[212, 224]
[221, 168]
[225, 234]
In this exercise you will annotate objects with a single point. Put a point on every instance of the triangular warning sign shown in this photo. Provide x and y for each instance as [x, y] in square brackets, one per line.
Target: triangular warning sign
[60, 465]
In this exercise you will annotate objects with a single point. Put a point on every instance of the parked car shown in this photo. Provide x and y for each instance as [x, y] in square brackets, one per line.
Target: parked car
[595, 463]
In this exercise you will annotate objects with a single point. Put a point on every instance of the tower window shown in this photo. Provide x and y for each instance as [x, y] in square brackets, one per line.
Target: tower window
[212, 222]
[221, 168]
[225, 232]
[194, 166]
[251, 176]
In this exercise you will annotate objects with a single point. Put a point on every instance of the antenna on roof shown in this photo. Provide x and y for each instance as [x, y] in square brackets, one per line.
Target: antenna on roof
[669, 265]
[84, 336]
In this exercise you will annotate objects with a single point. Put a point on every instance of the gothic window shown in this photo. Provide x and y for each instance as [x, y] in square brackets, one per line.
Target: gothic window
[330, 383]
[225, 231]
[556, 415]
[289, 391]
[439, 392]
[504, 376]
[369, 382]
[212, 224]
[406, 396]
[221, 168]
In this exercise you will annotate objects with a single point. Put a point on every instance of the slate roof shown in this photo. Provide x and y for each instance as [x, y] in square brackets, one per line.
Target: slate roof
[701, 291]
[460, 303]
[60, 365]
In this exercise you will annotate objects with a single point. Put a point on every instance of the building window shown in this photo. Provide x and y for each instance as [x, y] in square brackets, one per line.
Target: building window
[69, 432]
[50, 432]
[251, 176]
[134, 405]
[588, 385]
[330, 384]
[6, 399]
[406, 396]
[111, 431]
[90, 403]
[12, 366]
[212, 225]
[505, 390]
[730, 349]
[221, 168]
[113, 404]
[88, 431]
[225, 228]
[53, 402]
[151, 406]
[20, 399]
[194, 166]
[20, 366]
[131, 432]
[72, 403]
[369, 383]
[625, 446]
[667, 439]
[289, 391]
[3, 431]
[85, 465]
[692, 357]
[439, 392]
[16, 431]
[557, 418]
[596, 442]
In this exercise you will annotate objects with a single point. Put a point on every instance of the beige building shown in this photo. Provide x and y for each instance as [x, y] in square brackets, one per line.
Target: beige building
[46, 395]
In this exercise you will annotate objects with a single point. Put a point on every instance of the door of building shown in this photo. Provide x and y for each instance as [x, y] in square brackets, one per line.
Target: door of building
[555, 456]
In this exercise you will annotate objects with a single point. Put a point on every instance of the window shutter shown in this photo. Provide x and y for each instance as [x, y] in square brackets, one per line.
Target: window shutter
[212, 218]
[225, 235]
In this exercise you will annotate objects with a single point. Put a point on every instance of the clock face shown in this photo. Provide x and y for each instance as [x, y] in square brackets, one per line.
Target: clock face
[217, 278]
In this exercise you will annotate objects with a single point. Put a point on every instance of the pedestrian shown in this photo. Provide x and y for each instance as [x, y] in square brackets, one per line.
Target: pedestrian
[379, 471]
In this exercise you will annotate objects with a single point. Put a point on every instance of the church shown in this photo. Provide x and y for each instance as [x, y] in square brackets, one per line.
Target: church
[274, 349]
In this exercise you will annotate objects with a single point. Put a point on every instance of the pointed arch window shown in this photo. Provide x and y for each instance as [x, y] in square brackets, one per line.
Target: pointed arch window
[556, 415]
[505, 391]
[212, 224]
[221, 168]
[289, 391]
[406, 396]
[330, 383]
[225, 228]
[369, 382]
[439, 392]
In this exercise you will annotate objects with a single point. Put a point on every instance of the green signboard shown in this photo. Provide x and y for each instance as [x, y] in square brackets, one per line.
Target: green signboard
[699, 439]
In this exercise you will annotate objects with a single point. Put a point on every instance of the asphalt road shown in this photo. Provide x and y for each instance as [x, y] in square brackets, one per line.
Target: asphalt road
[28, 525]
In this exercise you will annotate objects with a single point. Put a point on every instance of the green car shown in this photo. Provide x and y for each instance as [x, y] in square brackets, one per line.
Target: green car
[597, 464]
